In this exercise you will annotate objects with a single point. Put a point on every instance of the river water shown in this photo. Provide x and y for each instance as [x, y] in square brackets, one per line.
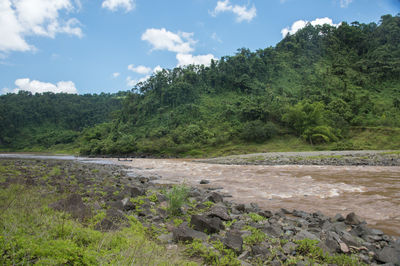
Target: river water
[372, 192]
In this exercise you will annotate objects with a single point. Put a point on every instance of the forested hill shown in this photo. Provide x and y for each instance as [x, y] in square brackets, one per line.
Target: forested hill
[323, 86]
[40, 121]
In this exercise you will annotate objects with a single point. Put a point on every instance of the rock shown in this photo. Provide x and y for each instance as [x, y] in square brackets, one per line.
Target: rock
[338, 218]
[127, 204]
[219, 210]
[161, 197]
[204, 181]
[184, 233]
[144, 179]
[215, 197]
[234, 241]
[352, 219]
[134, 191]
[289, 248]
[388, 255]
[240, 207]
[205, 224]
[115, 215]
[273, 230]
[344, 248]
[266, 214]
[305, 234]
[260, 251]
[74, 205]
[350, 240]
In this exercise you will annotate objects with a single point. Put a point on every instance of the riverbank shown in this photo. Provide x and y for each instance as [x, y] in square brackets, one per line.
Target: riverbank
[338, 158]
[108, 198]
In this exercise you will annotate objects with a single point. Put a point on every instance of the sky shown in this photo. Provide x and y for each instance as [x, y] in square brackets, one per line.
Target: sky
[94, 46]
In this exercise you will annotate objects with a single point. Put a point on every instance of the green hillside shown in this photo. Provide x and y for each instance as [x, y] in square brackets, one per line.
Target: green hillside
[321, 88]
[315, 89]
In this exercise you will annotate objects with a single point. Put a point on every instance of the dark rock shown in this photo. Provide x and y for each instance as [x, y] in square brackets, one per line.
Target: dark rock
[352, 219]
[240, 207]
[134, 191]
[284, 211]
[143, 179]
[266, 214]
[73, 205]
[161, 197]
[205, 224]
[289, 248]
[300, 214]
[219, 210]
[388, 255]
[273, 230]
[184, 233]
[305, 234]
[115, 215]
[215, 197]
[260, 251]
[128, 205]
[204, 181]
[234, 241]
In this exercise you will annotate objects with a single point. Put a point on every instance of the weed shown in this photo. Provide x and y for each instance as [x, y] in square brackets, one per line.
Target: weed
[257, 236]
[256, 217]
[177, 196]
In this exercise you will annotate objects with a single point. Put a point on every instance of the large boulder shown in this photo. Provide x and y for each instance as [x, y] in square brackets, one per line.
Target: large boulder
[234, 241]
[219, 210]
[352, 219]
[184, 233]
[73, 205]
[203, 223]
[388, 255]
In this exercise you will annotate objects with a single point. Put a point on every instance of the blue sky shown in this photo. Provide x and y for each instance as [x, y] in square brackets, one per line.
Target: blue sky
[93, 46]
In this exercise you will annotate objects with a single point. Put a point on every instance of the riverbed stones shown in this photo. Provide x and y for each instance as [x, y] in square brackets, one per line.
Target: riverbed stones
[388, 255]
[234, 241]
[204, 181]
[209, 225]
[215, 197]
[74, 205]
[219, 210]
[184, 233]
[352, 219]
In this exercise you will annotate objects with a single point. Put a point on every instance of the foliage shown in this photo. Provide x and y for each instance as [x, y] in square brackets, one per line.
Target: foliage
[317, 84]
[257, 236]
[216, 254]
[32, 233]
[177, 196]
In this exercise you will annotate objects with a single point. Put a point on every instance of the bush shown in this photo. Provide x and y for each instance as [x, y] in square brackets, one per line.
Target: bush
[258, 131]
[177, 196]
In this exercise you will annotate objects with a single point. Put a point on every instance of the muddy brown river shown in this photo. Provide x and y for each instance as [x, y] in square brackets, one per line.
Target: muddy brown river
[372, 192]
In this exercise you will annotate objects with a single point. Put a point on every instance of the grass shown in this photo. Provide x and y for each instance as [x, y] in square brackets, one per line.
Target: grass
[32, 233]
[177, 196]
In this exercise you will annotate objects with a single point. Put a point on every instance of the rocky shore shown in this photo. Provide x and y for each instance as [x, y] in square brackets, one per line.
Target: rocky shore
[205, 224]
[338, 158]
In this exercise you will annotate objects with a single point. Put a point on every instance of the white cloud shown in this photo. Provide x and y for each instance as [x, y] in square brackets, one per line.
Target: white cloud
[242, 12]
[132, 82]
[21, 18]
[116, 74]
[345, 3]
[299, 24]
[188, 59]
[114, 5]
[157, 69]
[36, 86]
[140, 69]
[161, 39]
[215, 37]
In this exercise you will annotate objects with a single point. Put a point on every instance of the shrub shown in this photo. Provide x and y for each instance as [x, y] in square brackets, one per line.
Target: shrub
[177, 196]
